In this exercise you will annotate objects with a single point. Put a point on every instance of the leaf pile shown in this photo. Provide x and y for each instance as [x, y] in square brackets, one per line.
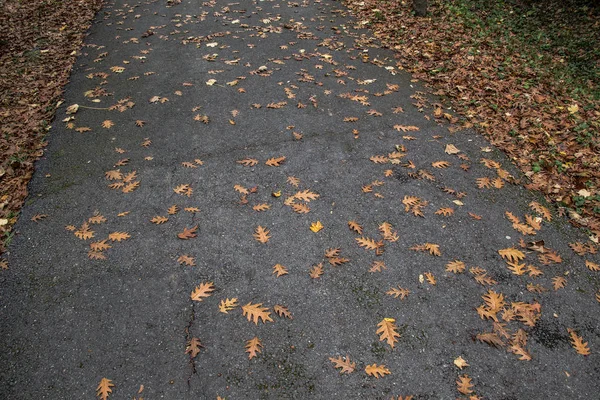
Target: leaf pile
[37, 50]
[506, 87]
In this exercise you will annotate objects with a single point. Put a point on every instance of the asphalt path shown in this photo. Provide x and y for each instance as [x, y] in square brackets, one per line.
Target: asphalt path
[189, 90]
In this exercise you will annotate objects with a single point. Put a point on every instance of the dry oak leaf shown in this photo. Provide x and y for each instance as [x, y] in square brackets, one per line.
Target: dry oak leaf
[301, 208]
[434, 249]
[293, 181]
[119, 236]
[456, 267]
[398, 292]
[316, 271]
[447, 211]
[511, 254]
[188, 233]
[193, 347]
[494, 301]
[192, 209]
[253, 346]
[282, 311]
[540, 209]
[97, 219]
[262, 234]
[405, 128]
[4, 265]
[84, 232]
[369, 244]
[108, 124]
[430, 278]
[188, 164]
[516, 268]
[113, 175]
[96, 255]
[248, 162]
[379, 159]
[346, 366]
[227, 305]
[592, 266]
[202, 291]
[279, 270]
[460, 362]
[440, 164]
[520, 351]
[355, 226]
[100, 246]
[388, 331]
[185, 190]
[464, 385]
[316, 226]
[159, 220]
[335, 261]
[104, 388]
[558, 282]
[306, 195]
[578, 344]
[173, 210]
[241, 189]
[254, 312]
[377, 266]
[261, 207]
[491, 339]
[38, 217]
[451, 149]
[275, 161]
[187, 260]
[377, 371]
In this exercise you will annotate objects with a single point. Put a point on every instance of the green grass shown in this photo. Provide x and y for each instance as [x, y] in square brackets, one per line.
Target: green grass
[555, 38]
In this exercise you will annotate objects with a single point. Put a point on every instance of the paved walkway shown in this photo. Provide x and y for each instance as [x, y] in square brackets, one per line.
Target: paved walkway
[201, 124]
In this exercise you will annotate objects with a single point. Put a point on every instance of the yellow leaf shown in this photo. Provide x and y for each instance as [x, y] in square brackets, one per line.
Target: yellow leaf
[316, 226]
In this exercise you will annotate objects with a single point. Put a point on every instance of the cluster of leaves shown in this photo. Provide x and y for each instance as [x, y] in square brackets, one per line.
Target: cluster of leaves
[480, 56]
[37, 51]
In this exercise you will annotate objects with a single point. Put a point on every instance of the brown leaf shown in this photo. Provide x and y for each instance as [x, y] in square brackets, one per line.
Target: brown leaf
[188, 233]
[119, 236]
[377, 371]
[202, 291]
[388, 331]
[187, 260]
[159, 220]
[254, 312]
[464, 385]
[193, 347]
[262, 234]
[282, 311]
[104, 388]
[316, 271]
[279, 270]
[227, 305]
[253, 347]
[578, 344]
[355, 226]
[346, 366]
[275, 161]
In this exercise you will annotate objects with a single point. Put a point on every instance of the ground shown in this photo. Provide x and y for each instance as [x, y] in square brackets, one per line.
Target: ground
[275, 115]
